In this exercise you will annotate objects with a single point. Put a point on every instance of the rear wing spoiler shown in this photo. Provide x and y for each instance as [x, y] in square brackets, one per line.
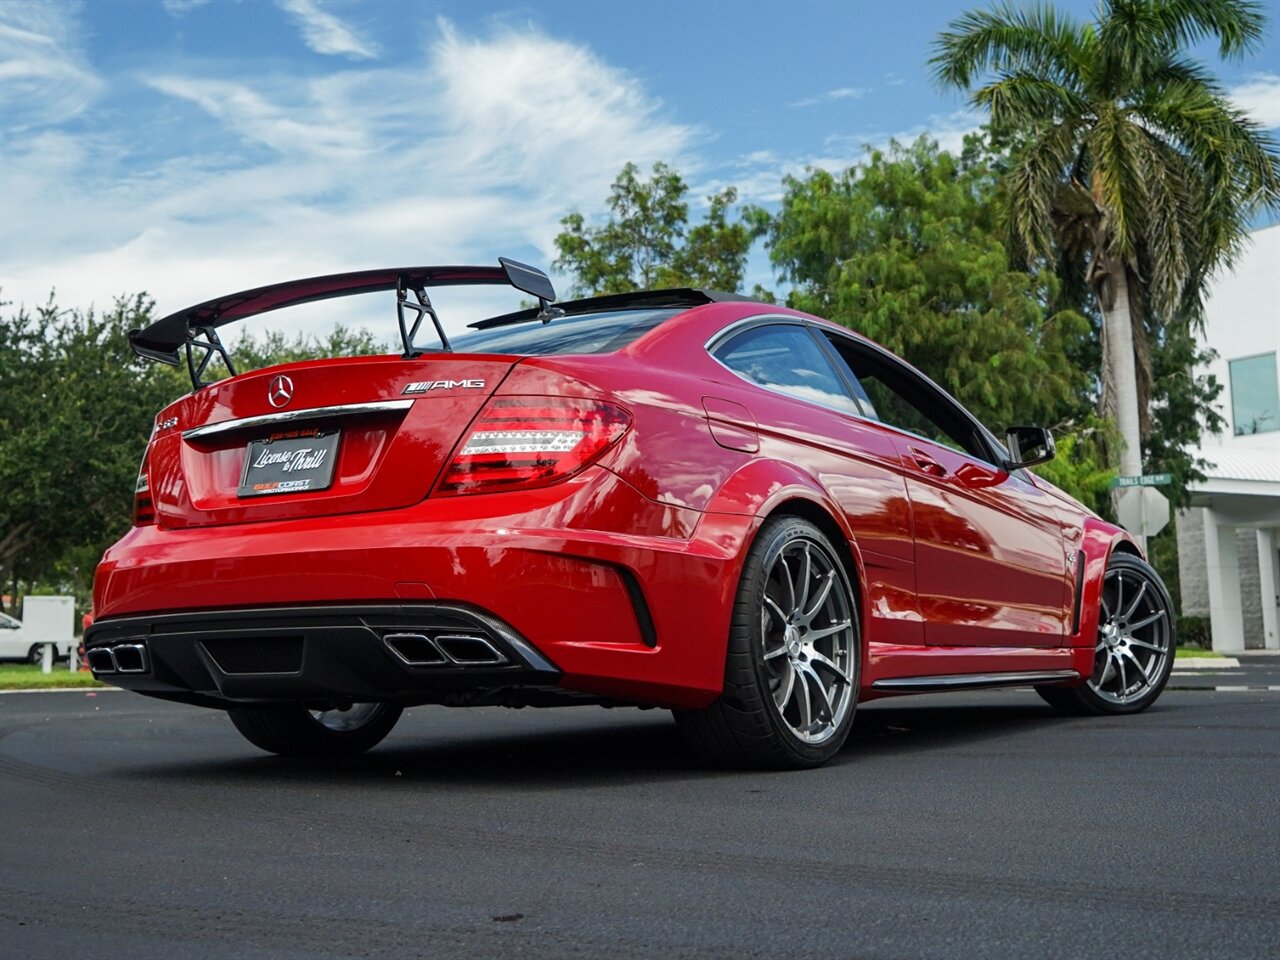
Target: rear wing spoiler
[195, 329]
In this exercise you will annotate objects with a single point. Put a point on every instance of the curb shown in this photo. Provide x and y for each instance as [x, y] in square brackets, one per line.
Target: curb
[1204, 663]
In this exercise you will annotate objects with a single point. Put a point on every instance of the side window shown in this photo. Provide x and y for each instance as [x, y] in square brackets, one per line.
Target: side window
[787, 359]
[901, 399]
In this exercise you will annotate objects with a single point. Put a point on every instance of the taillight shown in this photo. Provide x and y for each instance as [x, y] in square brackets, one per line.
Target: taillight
[521, 442]
[144, 511]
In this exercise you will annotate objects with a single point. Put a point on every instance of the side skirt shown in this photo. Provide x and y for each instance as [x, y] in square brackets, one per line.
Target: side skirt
[972, 681]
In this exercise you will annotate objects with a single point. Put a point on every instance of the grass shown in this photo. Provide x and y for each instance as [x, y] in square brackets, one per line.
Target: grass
[1198, 652]
[27, 676]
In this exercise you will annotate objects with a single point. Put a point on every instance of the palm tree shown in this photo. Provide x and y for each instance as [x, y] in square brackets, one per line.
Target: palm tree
[1128, 157]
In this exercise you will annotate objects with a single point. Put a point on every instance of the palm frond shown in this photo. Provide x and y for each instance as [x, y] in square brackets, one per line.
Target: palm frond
[1031, 184]
[1132, 26]
[1025, 99]
[1118, 181]
[1035, 39]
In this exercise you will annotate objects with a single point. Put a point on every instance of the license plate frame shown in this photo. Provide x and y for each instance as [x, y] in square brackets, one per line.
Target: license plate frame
[299, 461]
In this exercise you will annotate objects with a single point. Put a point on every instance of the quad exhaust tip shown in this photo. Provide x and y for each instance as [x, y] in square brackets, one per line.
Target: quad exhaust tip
[120, 658]
[461, 650]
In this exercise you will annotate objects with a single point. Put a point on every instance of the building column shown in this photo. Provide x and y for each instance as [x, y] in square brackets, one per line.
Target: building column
[1267, 579]
[1222, 563]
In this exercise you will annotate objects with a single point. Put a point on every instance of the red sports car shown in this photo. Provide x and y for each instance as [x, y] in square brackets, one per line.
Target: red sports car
[672, 498]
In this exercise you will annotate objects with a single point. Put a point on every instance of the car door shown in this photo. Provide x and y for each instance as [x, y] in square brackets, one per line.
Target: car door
[990, 559]
[804, 414]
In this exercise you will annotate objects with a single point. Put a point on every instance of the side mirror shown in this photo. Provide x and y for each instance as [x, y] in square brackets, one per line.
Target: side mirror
[1028, 446]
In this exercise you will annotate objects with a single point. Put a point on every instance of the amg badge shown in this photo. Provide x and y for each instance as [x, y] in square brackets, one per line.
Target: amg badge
[424, 386]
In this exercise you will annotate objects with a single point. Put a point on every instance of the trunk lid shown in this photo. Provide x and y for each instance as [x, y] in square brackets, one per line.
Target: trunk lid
[316, 438]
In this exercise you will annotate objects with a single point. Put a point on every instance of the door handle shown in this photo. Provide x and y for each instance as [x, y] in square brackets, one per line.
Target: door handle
[926, 463]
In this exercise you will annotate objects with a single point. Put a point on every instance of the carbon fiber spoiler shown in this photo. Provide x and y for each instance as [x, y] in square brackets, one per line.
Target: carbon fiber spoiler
[195, 328]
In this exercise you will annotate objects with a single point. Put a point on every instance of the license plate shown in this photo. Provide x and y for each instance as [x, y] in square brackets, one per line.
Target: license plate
[295, 462]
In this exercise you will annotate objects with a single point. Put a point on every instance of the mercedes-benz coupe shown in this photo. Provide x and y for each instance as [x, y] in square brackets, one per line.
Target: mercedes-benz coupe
[674, 498]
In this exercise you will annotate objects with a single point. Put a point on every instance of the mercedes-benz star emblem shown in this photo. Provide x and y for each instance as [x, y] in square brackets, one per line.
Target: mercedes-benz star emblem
[281, 391]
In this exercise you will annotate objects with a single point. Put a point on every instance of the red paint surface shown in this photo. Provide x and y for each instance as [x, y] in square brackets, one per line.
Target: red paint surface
[960, 566]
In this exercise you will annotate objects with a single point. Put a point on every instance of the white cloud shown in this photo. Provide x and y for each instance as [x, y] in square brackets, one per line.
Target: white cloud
[178, 7]
[840, 93]
[325, 33]
[44, 76]
[1259, 97]
[475, 150]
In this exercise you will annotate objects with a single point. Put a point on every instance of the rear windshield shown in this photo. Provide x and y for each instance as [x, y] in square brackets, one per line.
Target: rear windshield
[583, 333]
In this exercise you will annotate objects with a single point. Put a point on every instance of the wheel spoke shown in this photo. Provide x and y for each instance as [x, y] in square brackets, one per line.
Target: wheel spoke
[1124, 677]
[1106, 670]
[1138, 663]
[1142, 588]
[1119, 591]
[815, 635]
[785, 687]
[805, 579]
[821, 660]
[1106, 610]
[775, 610]
[1135, 642]
[791, 584]
[823, 593]
[776, 652]
[807, 673]
[806, 708]
[1147, 622]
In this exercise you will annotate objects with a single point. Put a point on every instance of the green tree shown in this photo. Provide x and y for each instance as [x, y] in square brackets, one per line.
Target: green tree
[76, 408]
[905, 248]
[644, 245]
[1131, 168]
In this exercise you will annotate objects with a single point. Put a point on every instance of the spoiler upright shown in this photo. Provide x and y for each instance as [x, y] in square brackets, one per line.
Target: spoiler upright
[195, 328]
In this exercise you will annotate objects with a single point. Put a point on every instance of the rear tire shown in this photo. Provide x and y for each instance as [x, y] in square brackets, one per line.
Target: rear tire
[1135, 646]
[291, 730]
[36, 653]
[792, 665]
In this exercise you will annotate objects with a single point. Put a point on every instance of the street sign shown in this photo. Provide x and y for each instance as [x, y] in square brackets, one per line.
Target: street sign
[1143, 511]
[1147, 480]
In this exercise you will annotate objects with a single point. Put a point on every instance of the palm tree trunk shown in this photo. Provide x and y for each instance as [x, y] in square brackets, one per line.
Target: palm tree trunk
[1121, 372]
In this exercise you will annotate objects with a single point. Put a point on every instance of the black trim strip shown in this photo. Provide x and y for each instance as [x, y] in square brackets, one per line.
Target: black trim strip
[644, 618]
[1075, 604]
[972, 681]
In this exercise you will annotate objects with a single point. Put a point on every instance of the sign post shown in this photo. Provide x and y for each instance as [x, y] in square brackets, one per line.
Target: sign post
[1143, 511]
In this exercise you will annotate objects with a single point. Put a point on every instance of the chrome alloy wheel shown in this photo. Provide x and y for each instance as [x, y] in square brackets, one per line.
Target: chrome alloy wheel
[807, 631]
[354, 717]
[1134, 637]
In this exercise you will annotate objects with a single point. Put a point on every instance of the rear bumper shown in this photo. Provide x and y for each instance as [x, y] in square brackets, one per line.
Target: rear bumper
[410, 653]
[627, 599]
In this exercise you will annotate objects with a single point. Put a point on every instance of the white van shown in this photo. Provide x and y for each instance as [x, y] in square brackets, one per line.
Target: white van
[49, 622]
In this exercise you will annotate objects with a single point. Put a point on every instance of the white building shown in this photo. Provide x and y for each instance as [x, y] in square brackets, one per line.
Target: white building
[1229, 541]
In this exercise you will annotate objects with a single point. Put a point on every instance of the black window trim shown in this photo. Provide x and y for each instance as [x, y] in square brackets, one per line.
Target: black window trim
[997, 455]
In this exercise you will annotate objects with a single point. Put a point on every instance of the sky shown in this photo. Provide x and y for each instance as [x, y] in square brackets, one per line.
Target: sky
[190, 148]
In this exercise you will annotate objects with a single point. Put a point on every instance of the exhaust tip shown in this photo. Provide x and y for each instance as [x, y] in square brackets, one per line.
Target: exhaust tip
[415, 649]
[470, 650]
[101, 661]
[130, 657]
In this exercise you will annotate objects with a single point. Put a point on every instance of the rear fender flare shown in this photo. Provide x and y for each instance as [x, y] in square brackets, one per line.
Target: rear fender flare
[763, 487]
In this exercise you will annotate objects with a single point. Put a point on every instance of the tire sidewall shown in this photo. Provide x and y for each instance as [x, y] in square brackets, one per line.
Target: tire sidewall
[773, 538]
[1127, 561]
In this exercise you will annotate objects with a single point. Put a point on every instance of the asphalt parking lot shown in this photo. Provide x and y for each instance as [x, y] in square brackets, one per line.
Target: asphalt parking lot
[966, 825]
